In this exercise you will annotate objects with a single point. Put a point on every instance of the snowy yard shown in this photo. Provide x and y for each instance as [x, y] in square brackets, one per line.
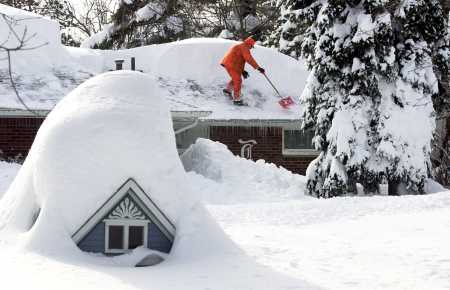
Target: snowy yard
[299, 242]
[370, 87]
[349, 243]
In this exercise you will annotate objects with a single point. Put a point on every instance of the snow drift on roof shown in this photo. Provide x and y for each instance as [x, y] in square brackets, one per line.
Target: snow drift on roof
[113, 127]
[189, 72]
[43, 70]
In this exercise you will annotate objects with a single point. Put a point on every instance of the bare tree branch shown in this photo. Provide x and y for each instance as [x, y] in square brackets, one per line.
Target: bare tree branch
[22, 44]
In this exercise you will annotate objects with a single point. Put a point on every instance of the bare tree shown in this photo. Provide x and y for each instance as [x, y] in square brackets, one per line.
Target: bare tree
[14, 42]
[207, 18]
[85, 20]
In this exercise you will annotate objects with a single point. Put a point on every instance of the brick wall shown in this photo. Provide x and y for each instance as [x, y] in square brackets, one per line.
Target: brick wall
[269, 147]
[17, 135]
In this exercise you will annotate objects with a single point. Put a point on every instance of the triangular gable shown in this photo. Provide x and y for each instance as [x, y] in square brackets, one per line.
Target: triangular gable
[118, 206]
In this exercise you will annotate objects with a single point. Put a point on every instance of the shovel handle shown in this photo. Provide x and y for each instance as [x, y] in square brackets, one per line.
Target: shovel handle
[273, 86]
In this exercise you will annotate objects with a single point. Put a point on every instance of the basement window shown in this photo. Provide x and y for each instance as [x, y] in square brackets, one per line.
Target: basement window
[298, 143]
[121, 236]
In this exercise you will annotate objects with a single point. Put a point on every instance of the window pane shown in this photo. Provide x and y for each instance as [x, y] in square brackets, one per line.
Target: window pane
[298, 139]
[135, 237]
[115, 237]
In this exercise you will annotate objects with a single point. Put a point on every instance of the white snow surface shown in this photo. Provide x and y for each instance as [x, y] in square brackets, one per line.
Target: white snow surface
[7, 173]
[189, 72]
[192, 78]
[216, 173]
[95, 139]
[89, 145]
[44, 71]
[341, 243]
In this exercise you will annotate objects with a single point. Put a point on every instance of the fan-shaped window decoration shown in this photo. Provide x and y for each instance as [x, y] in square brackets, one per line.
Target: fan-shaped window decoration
[126, 228]
[125, 221]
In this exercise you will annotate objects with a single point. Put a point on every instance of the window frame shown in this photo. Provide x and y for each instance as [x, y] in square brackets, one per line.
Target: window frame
[296, 152]
[126, 223]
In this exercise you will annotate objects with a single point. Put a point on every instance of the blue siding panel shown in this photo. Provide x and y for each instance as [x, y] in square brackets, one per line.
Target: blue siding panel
[95, 240]
[157, 240]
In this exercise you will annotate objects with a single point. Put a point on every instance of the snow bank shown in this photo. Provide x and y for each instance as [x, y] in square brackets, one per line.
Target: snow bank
[221, 177]
[7, 173]
[113, 127]
[43, 70]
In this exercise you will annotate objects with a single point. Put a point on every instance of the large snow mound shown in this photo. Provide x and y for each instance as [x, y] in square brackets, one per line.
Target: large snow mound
[7, 173]
[113, 127]
[221, 177]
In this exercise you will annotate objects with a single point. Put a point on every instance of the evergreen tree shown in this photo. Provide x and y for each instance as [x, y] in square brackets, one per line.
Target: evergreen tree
[441, 103]
[349, 49]
[372, 81]
[407, 118]
[296, 16]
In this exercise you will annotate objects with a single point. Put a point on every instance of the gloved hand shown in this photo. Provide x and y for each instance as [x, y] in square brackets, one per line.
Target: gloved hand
[245, 74]
[261, 70]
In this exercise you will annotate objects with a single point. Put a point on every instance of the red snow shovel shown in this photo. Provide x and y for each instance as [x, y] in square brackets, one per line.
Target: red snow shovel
[285, 102]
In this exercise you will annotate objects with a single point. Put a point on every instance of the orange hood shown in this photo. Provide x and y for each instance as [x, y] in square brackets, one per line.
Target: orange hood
[250, 42]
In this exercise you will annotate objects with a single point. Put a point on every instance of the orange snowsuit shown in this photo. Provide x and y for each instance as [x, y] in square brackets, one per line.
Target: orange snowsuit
[234, 62]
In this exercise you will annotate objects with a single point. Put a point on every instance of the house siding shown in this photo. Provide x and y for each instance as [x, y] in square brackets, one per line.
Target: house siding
[157, 240]
[94, 241]
[269, 145]
[17, 135]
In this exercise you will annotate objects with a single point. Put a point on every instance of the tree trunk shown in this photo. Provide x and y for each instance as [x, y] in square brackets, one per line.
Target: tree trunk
[445, 6]
[393, 187]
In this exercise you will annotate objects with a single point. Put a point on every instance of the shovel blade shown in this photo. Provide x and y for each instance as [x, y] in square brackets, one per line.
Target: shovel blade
[286, 103]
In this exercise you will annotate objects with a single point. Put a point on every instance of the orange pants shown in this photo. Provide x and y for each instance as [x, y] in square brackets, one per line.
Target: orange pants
[235, 83]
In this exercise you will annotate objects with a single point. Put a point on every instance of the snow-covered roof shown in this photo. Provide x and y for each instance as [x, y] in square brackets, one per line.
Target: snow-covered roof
[45, 71]
[187, 71]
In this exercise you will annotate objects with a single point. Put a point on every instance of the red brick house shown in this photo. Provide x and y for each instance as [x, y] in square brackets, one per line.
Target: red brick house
[190, 77]
[275, 140]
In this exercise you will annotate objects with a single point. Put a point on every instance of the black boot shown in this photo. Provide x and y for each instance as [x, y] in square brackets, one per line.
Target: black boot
[239, 103]
[227, 93]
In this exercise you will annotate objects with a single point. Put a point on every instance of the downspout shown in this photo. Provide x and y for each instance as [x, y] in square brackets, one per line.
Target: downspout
[188, 127]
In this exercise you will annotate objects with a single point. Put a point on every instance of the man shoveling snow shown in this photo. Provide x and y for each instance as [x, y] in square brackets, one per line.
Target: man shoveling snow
[234, 62]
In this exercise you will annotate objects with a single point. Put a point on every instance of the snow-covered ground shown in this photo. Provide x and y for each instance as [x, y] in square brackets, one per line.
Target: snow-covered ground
[285, 239]
[253, 227]
[348, 243]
